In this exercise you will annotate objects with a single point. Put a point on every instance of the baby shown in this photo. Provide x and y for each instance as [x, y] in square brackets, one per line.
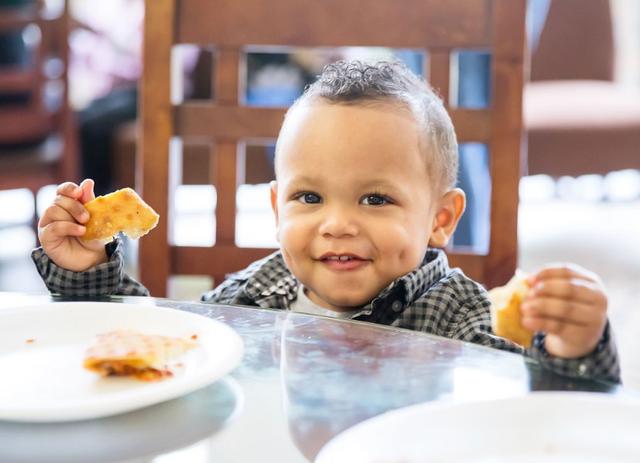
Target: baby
[364, 201]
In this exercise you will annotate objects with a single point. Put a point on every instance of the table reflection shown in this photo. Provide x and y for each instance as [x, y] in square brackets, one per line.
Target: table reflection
[335, 375]
[141, 433]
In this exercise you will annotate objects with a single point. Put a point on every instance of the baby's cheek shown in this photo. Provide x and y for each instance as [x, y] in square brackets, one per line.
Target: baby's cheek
[288, 261]
[405, 248]
[295, 246]
[290, 237]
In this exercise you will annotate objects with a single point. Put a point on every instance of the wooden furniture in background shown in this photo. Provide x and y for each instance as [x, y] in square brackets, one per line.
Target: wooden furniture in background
[435, 26]
[578, 119]
[46, 116]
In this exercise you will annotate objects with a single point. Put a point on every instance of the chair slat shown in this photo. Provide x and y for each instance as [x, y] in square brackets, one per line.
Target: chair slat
[13, 19]
[153, 155]
[433, 23]
[17, 80]
[439, 70]
[225, 160]
[226, 80]
[193, 260]
[233, 122]
[239, 122]
[506, 139]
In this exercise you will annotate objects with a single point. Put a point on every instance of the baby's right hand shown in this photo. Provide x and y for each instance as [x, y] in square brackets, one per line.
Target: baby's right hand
[60, 228]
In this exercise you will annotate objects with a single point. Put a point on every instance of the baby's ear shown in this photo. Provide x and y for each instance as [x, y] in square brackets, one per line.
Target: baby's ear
[273, 186]
[450, 209]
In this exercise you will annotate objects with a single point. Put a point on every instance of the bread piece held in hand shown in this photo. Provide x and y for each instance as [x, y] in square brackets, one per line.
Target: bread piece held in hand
[120, 211]
[505, 310]
[129, 353]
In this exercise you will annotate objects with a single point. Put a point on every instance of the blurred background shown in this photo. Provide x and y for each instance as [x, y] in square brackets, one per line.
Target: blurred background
[579, 199]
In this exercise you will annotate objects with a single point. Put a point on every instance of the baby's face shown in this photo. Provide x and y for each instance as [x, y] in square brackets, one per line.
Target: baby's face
[353, 200]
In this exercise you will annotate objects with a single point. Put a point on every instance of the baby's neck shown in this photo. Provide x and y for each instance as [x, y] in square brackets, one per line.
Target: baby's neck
[305, 303]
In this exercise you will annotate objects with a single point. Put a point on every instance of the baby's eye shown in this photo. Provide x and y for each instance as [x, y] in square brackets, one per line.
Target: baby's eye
[375, 200]
[309, 198]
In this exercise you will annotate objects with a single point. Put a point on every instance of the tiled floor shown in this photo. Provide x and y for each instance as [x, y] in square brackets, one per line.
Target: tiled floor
[581, 227]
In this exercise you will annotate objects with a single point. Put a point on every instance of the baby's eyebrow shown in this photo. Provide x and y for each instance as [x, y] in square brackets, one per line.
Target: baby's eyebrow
[303, 180]
[379, 184]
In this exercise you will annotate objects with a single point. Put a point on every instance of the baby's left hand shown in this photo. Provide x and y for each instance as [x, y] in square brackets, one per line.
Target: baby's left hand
[569, 304]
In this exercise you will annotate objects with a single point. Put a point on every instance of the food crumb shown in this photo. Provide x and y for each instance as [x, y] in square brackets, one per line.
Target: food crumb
[29, 341]
[194, 336]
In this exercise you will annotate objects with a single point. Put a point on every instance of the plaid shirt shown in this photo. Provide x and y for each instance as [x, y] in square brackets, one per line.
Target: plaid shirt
[433, 299]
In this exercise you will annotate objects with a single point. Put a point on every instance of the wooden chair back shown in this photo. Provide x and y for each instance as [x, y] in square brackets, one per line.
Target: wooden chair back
[229, 27]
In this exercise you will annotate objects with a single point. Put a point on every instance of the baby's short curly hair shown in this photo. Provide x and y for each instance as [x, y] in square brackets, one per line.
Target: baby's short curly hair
[357, 82]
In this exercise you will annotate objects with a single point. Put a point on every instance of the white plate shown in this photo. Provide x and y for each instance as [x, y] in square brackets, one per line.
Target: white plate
[555, 427]
[44, 380]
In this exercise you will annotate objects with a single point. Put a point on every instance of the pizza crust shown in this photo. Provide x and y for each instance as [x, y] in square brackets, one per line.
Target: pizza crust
[505, 310]
[120, 211]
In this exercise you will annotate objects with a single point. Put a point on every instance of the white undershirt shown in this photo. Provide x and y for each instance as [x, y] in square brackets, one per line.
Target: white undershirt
[305, 305]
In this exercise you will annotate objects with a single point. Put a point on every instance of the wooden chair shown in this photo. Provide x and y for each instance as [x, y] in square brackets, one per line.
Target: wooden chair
[578, 119]
[37, 138]
[228, 26]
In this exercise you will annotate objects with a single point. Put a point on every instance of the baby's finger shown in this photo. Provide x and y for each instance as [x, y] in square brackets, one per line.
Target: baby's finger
[73, 207]
[87, 191]
[55, 213]
[565, 310]
[58, 230]
[69, 189]
[575, 289]
[553, 326]
[565, 271]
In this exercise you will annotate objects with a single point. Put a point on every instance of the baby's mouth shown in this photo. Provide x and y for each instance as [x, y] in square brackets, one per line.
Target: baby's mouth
[343, 261]
[342, 258]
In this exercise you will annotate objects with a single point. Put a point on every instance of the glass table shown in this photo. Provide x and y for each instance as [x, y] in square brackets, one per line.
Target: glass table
[303, 379]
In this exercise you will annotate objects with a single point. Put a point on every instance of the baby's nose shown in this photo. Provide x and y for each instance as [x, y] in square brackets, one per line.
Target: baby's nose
[338, 222]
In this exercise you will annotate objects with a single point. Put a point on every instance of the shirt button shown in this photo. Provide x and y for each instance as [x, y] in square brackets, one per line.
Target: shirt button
[582, 369]
[396, 306]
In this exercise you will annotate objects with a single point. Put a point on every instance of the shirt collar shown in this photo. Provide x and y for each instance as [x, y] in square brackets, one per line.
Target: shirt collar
[435, 266]
[270, 277]
[411, 286]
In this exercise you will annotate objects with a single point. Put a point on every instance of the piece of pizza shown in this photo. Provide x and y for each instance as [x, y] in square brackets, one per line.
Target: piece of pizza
[505, 310]
[129, 353]
[120, 211]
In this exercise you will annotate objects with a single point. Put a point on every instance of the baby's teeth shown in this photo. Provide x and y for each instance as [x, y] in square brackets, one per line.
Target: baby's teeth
[344, 258]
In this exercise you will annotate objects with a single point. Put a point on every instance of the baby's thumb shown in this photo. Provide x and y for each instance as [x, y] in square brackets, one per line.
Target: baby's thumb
[87, 191]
